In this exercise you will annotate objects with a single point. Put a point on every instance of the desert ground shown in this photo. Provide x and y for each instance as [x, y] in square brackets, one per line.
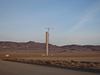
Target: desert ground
[91, 57]
[15, 68]
[22, 66]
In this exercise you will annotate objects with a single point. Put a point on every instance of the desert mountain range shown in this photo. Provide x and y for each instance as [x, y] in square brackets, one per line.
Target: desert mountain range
[35, 47]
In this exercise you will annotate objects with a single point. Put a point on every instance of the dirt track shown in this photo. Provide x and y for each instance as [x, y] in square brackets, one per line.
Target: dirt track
[14, 68]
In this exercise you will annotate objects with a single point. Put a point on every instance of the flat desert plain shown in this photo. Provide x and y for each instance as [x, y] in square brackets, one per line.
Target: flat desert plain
[91, 57]
[16, 68]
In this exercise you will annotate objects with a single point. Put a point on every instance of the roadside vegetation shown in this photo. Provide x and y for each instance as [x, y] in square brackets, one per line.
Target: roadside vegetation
[82, 62]
[75, 65]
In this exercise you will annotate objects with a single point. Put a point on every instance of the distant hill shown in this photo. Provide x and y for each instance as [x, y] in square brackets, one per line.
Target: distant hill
[35, 47]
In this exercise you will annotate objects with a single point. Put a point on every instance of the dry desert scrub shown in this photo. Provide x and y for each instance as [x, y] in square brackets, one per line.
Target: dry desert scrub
[83, 65]
[73, 64]
[59, 63]
[92, 65]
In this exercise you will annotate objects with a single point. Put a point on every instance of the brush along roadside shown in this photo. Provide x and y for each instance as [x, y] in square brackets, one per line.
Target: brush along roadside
[73, 65]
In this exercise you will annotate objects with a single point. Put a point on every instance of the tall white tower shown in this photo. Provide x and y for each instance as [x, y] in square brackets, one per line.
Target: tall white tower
[47, 41]
[47, 35]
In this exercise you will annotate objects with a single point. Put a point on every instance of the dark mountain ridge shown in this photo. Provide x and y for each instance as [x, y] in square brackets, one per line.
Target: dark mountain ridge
[32, 46]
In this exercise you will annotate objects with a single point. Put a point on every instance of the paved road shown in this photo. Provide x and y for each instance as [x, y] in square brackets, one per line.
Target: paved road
[14, 68]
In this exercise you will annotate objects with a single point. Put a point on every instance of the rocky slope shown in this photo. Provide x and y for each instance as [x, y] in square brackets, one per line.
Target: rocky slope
[35, 47]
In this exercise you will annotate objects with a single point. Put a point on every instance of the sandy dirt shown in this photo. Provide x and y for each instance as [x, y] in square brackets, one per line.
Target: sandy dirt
[15, 68]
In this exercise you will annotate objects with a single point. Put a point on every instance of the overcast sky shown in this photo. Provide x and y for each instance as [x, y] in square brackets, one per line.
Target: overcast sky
[73, 21]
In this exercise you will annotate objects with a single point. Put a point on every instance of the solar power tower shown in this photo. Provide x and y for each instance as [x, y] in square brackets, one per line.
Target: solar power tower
[47, 41]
